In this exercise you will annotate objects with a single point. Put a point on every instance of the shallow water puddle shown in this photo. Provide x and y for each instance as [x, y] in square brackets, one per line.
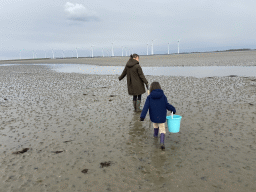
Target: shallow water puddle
[188, 71]
[206, 71]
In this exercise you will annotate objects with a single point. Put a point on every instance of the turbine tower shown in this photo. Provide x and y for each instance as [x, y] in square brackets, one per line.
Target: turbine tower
[168, 49]
[92, 49]
[20, 54]
[178, 46]
[152, 48]
[76, 53]
[63, 54]
[52, 54]
[112, 50]
[122, 51]
[147, 48]
[102, 53]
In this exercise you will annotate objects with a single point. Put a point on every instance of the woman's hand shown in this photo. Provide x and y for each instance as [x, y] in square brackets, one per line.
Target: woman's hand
[147, 85]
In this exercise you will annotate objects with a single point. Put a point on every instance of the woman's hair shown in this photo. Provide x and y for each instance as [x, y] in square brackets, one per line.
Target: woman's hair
[154, 85]
[134, 56]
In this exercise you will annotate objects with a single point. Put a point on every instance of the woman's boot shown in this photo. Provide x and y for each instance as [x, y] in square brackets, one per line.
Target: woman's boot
[156, 132]
[138, 106]
[134, 105]
[162, 140]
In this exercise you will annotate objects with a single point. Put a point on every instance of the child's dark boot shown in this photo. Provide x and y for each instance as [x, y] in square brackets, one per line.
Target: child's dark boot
[162, 140]
[156, 132]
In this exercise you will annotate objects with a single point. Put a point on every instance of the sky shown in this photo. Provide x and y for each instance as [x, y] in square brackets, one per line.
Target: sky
[65, 28]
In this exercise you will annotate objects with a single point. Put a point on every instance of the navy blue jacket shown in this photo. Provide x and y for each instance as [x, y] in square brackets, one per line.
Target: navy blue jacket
[157, 104]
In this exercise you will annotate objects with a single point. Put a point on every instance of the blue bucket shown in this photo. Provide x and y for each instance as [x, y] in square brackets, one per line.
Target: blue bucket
[173, 123]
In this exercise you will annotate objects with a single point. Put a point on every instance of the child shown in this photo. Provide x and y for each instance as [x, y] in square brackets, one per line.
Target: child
[157, 104]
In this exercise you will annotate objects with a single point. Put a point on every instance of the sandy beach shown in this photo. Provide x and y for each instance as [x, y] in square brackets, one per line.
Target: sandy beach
[82, 134]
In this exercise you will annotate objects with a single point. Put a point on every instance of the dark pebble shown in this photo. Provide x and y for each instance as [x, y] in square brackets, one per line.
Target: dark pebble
[67, 141]
[85, 171]
[105, 164]
[57, 152]
[22, 151]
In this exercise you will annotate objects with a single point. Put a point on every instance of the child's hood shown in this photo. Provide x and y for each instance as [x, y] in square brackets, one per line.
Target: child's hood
[157, 94]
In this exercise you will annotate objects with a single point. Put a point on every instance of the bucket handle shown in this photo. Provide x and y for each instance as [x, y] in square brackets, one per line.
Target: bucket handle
[172, 114]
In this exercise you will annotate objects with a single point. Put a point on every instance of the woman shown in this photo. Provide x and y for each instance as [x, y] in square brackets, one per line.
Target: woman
[135, 80]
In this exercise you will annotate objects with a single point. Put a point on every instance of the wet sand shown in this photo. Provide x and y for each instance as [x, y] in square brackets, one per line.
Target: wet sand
[83, 135]
[226, 58]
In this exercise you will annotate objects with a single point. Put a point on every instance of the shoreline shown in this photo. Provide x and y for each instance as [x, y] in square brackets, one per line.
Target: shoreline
[225, 58]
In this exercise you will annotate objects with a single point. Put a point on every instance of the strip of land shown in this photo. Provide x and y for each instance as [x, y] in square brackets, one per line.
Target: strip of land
[229, 58]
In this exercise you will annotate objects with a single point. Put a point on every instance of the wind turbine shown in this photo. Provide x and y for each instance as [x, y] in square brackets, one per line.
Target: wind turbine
[33, 55]
[92, 49]
[126, 50]
[63, 54]
[52, 54]
[102, 52]
[112, 50]
[152, 48]
[147, 48]
[178, 46]
[45, 54]
[76, 53]
[122, 51]
[132, 50]
[168, 48]
[20, 54]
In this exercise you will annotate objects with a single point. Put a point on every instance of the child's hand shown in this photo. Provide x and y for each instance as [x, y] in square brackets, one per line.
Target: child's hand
[141, 119]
